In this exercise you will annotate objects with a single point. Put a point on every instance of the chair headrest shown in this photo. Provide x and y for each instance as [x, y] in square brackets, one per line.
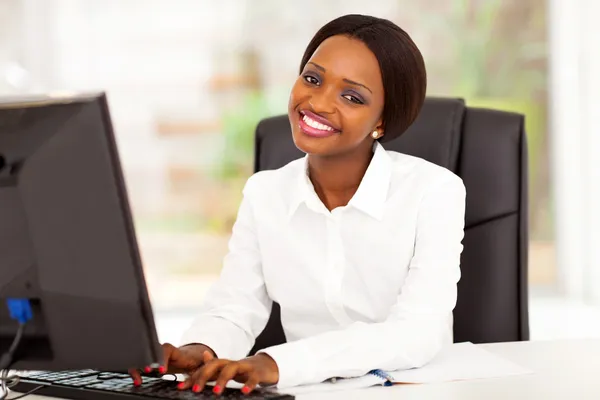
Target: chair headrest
[435, 134]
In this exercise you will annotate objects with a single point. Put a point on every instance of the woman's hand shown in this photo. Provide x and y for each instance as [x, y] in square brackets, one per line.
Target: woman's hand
[178, 360]
[252, 371]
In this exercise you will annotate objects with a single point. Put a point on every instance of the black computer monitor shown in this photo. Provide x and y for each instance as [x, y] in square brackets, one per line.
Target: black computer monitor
[67, 240]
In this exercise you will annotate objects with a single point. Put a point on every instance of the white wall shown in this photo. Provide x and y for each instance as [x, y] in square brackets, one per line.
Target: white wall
[575, 121]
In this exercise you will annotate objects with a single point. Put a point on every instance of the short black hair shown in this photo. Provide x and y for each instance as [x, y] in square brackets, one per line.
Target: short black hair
[400, 61]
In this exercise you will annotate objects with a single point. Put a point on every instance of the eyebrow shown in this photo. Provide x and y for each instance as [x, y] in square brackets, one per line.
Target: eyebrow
[317, 66]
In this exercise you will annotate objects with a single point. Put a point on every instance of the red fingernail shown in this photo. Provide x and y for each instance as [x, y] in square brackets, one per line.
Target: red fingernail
[245, 390]
[147, 370]
[181, 385]
[196, 388]
[162, 369]
[217, 390]
[137, 383]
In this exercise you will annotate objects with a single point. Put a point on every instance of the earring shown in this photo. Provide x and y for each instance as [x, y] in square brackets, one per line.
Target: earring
[375, 134]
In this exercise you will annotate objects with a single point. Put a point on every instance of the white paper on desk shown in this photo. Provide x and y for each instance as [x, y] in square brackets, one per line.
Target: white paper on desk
[340, 384]
[460, 361]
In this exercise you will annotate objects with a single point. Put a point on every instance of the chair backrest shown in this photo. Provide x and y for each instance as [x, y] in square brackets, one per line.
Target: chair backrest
[488, 150]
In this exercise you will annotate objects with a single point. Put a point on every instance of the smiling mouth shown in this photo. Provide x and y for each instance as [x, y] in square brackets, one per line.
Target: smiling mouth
[312, 127]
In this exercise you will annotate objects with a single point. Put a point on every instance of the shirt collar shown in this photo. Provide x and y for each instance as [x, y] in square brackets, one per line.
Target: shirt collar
[303, 191]
[370, 197]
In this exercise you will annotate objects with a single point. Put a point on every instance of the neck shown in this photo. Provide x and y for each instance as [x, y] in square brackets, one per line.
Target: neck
[337, 178]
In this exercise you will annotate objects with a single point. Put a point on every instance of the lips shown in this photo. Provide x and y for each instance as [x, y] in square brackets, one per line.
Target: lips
[315, 125]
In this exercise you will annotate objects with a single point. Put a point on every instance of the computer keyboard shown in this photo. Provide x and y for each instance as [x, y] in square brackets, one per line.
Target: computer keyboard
[95, 385]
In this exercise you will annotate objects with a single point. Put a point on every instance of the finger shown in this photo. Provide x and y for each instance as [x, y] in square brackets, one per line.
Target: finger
[136, 376]
[208, 372]
[189, 381]
[168, 350]
[251, 383]
[167, 354]
[186, 384]
[207, 356]
[228, 373]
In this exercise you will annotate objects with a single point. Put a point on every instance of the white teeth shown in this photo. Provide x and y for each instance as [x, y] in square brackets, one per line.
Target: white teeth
[315, 124]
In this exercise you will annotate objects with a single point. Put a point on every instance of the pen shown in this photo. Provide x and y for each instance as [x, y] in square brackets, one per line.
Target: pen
[389, 380]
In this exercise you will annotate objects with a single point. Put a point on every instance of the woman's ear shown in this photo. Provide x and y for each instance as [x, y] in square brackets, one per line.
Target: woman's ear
[379, 129]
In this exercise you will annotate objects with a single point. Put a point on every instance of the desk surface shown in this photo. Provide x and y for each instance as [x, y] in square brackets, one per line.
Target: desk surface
[566, 369]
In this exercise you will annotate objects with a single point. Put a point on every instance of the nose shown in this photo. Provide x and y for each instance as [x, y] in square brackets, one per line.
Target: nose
[322, 101]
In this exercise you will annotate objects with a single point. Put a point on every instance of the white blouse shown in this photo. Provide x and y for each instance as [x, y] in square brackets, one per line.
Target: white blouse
[366, 286]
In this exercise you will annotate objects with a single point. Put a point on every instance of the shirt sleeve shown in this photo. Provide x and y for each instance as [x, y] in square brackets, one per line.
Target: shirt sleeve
[420, 322]
[237, 307]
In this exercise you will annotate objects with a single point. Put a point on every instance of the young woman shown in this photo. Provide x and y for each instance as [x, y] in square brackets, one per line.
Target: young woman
[360, 246]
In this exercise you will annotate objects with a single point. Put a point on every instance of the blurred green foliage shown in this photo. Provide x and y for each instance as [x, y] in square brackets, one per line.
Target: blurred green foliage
[493, 55]
[239, 126]
[180, 223]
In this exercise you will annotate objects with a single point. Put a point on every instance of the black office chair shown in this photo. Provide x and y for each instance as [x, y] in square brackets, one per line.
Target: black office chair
[488, 150]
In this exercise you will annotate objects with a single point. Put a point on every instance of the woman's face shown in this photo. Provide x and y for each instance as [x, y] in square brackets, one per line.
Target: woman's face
[337, 101]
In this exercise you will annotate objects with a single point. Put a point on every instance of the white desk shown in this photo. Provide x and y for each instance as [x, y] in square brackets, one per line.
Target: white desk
[568, 369]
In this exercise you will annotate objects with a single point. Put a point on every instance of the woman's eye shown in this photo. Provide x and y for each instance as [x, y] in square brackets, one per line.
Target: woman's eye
[311, 79]
[353, 99]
